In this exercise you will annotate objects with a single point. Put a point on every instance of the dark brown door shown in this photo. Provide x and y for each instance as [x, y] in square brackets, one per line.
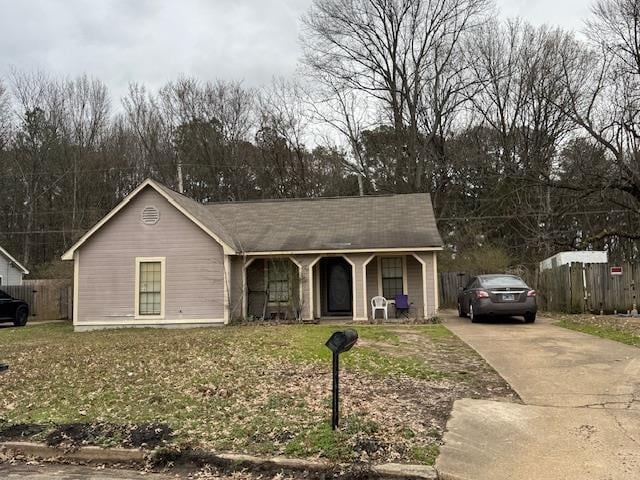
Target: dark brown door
[339, 297]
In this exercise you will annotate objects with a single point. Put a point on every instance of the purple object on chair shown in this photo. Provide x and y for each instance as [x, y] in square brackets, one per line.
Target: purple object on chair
[402, 305]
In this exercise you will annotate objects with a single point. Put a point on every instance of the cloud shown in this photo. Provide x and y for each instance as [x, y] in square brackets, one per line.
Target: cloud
[148, 41]
[152, 41]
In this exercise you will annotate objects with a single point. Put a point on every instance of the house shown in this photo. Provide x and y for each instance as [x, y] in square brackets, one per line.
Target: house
[160, 258]
[11, 270]
[581, 256]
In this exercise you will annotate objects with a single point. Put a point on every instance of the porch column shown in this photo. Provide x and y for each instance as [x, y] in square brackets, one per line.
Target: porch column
[358, 263]
[244, 288]
[429, 282]
[367, 295]
[305, 268]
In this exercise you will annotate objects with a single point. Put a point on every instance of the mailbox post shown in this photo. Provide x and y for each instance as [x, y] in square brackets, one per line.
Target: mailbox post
[339, 342]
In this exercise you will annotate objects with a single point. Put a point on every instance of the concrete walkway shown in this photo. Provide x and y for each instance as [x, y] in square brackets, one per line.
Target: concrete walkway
[581, 418]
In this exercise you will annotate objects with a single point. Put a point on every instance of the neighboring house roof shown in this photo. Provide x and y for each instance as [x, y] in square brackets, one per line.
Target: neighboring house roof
[319, 224]
[373, 222]
[15, 262]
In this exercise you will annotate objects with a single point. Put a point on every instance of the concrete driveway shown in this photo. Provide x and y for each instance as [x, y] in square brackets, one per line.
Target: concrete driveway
[581, 418]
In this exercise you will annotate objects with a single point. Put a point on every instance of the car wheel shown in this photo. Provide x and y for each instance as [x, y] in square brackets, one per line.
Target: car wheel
[474, 318]
[529, 317]
[22, 315]
[461, 313]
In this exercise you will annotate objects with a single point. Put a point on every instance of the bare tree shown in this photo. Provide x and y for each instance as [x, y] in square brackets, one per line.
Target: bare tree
[283, 127]
[347, 113]
[603, 85]
[153, 132]
[86, 113]
[5, 115]
[214, 118]
[39, 108]
[402, 53]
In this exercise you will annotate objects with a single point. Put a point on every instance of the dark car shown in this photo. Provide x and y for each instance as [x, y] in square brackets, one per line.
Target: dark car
[13, 310]
[497, 295]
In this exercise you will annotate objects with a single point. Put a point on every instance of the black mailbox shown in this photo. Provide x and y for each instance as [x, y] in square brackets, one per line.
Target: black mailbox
[3, 367]
[338, 343]
[342, 341]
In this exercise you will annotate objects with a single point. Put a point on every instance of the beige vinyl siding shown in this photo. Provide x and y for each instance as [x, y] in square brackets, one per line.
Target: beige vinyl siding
[194, 266]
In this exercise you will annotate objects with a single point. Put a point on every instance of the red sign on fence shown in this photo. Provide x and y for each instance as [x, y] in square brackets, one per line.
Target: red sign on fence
[615, 271]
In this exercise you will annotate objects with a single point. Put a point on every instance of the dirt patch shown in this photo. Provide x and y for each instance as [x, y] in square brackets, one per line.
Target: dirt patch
[136, 436]
[80, 434]
[20, 431]
[456, 361]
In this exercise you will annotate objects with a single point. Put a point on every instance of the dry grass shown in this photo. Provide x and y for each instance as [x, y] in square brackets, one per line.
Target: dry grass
[254, 389]
[621, 329]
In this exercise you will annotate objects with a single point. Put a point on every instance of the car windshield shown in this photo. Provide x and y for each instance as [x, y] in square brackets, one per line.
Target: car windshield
[502, 281]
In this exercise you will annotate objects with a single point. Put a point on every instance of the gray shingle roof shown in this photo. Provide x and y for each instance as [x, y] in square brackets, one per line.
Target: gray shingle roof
[341, 223]
[345, 223]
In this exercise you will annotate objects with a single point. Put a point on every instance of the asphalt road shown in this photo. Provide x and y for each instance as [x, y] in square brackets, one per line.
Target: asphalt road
[71, 472]
[45, 471]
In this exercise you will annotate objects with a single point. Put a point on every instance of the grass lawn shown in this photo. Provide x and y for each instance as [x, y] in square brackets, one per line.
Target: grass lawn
[256, 389]
[621, 329]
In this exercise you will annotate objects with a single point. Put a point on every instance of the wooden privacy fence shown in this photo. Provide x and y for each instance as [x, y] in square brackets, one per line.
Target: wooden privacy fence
[574, 288]
[449, 285]
[47, 299]
[589, 287]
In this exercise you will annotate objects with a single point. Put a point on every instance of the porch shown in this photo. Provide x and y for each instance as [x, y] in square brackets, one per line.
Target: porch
[334, 286]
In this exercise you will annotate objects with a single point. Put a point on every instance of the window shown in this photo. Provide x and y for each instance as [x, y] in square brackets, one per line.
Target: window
[503, 281]
[392, 277]
[150, 287]
[278, 275]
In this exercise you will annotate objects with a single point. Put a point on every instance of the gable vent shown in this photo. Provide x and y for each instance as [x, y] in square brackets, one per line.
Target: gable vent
[150, 215]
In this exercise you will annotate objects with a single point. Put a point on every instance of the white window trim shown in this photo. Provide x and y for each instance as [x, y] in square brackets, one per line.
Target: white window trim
[162, 261]
[405, 280]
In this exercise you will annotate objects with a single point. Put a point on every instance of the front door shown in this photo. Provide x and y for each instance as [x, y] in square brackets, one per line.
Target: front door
[339, 294]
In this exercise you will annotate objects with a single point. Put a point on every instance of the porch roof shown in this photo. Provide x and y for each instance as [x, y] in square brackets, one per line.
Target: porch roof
[403, 221]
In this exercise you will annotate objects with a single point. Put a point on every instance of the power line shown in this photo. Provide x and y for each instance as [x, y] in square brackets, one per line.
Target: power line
[43, 232]
[534, 214]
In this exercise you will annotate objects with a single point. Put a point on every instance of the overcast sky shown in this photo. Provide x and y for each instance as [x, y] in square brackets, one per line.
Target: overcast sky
[152, 41]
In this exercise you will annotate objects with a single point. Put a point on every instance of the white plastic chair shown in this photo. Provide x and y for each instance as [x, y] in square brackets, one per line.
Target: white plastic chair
[379, 303]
